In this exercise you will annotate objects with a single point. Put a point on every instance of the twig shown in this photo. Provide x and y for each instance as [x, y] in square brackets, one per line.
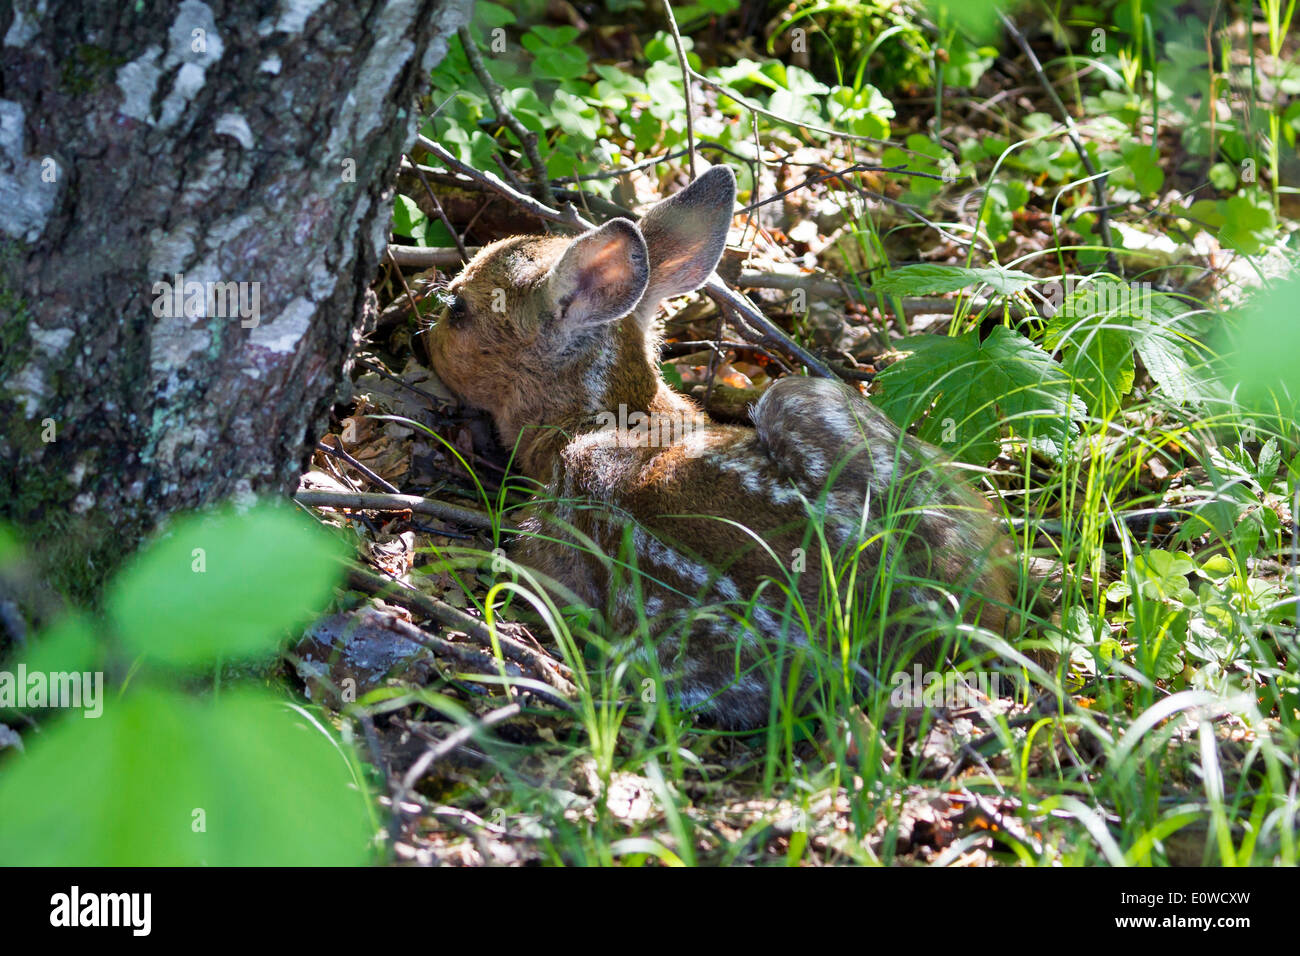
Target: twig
[368, 501]
[829, 287]
[527, 138]
[377, 755]
[686, 89]
[1098, 182]
[442, 215]
[443, 748]
[727, 297]
[420, 257]
[370, 475]
[1139, 517]
[568, 216]
[547, 668]
[673, 349]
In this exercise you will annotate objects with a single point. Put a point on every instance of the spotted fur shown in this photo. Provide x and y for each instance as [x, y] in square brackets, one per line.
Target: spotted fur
[547, 333]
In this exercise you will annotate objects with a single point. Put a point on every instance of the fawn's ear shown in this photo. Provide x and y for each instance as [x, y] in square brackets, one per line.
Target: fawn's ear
[686, 234]
[601, 276]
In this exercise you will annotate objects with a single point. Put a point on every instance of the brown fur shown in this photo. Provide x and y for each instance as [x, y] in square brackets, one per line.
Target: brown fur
[713, 515]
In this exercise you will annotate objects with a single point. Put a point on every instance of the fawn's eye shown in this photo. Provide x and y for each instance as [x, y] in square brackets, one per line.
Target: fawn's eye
[457, 312]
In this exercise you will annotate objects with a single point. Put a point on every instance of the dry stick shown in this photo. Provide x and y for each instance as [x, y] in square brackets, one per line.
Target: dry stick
[384, 373]
[442, 215]
[566, 216]
[550, 670]
[417, 257]
[686, 91]
[442, 749]
[410, 296]
[714, 287]
[369, 501]
[1098, 183]
[370, 475]
[906, 208]
[728, 298]
[527, 138]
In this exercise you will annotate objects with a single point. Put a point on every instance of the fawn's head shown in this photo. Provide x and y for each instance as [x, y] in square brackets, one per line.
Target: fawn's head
[541, 329]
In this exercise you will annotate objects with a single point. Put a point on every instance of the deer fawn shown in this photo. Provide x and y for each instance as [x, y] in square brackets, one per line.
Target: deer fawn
[554, 337]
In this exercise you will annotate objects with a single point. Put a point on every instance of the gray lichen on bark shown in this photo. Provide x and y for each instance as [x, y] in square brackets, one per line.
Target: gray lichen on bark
[143, 142]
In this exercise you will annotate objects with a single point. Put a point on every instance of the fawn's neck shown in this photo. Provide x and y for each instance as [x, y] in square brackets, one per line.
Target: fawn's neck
[622, 370]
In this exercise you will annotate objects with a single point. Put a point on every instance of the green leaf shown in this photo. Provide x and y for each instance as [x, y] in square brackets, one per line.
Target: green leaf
[1267, 343]
[10, 549]
[1223, 176]
[408, 219]
[164, 780]
[967, 62]
[1248, 222]
[1100, 325]
[559, 63]
[929, 279]
[575, 116]
[977, 387]
[923, 155]
[225, 585]
[491, 15]
[1144, 163]
[69, 644]
[863, 112]
[540, 35]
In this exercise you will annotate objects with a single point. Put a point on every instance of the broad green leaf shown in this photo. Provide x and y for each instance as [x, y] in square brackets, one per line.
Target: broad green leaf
[1248, 222]
[1144, 163]
[68, 645]
[490, 15]
[540, 35]
[1168, 662]
[978, 387]
[1175, 364]
[1268, 343]
[164, 780]
[10, 549]
[1100, 325]
[408, 219]
[929, 279]
[224, 585]
[559, 63]
[923, 155]
[575, 116]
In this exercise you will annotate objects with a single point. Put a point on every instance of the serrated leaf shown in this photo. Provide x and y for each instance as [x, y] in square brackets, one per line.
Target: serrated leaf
[932, 279]
[1173, 364]
[224, 585]
[978, 387]
[1102, 324]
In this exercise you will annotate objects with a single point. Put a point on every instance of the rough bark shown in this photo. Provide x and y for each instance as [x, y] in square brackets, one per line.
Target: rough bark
[222, 142]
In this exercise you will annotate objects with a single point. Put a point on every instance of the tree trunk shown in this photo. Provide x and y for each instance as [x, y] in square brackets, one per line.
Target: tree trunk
[193, 199]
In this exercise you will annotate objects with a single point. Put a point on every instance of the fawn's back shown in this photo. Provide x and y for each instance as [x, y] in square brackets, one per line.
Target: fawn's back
[654, 511]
